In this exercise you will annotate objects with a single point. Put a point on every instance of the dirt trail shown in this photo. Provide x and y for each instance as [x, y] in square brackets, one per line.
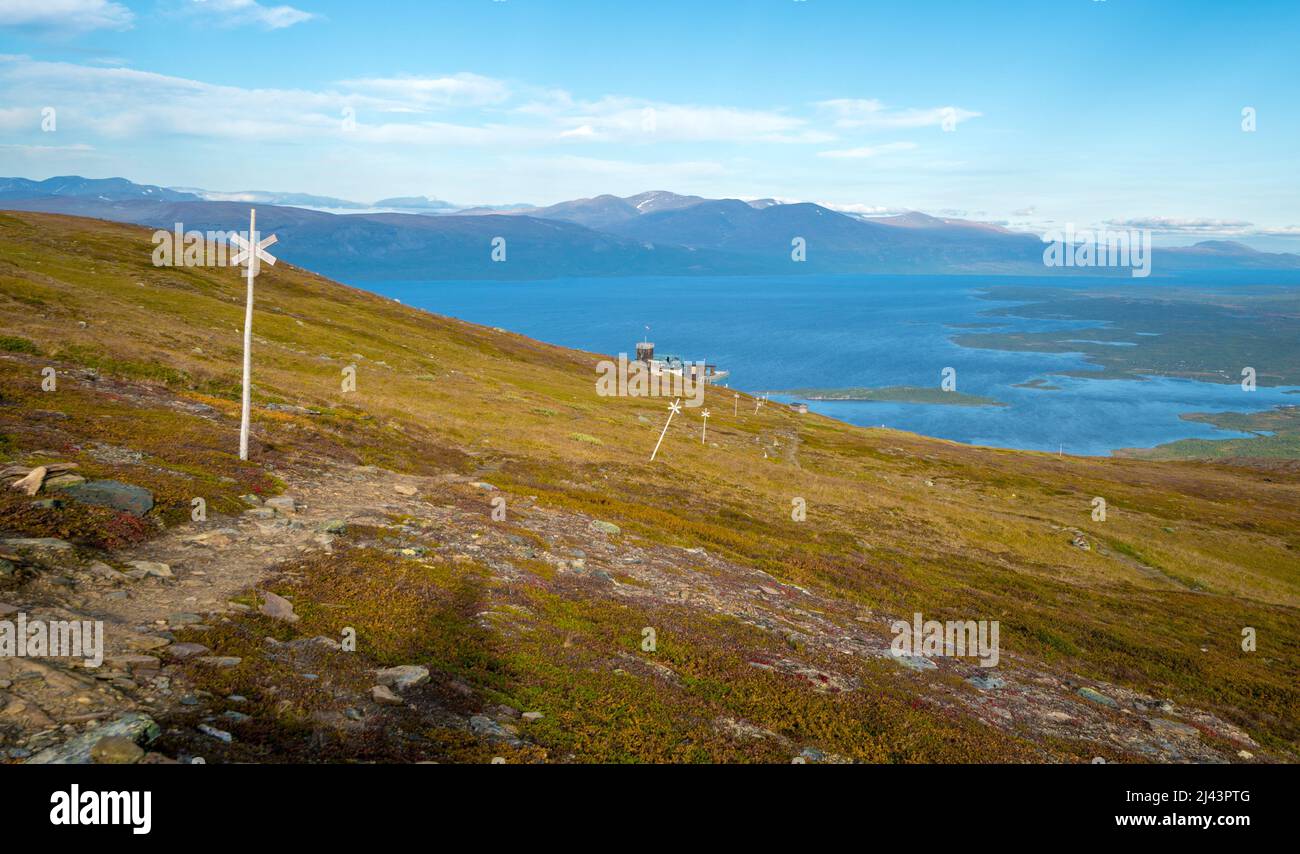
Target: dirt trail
[213, 562]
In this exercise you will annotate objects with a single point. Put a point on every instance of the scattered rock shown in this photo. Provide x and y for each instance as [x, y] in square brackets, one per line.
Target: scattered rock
[219, 660]
[218, 734]
[282, 504]
[1172, 729]
[1096, 697]
[384, 696]
[403, 489]
[144, 643]
[182, 651]
[136, 727]
[114, 494]
[152, 567]
[102, 570]
[116, 750]
[62, 481]
[484, 726]
[278, 608]
[987, 683]
[915, 662]
[333, 526]
[532, 716]
[133, 663]
[606, 527]
[403, 676]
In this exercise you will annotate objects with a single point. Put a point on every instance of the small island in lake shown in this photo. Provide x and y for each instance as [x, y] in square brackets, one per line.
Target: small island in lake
[894, 394]
[1038, 383]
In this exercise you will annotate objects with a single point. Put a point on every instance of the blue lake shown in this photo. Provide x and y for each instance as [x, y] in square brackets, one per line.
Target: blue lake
[838, 332]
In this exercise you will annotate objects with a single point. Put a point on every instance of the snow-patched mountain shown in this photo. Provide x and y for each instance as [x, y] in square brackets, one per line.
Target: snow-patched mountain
[104, 189]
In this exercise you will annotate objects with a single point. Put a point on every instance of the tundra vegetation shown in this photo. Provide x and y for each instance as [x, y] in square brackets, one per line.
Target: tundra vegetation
[1151, 600]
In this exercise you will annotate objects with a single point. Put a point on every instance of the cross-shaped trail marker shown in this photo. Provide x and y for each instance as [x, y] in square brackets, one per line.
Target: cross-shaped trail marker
[673, 408]
[704, 429]
[251, 252]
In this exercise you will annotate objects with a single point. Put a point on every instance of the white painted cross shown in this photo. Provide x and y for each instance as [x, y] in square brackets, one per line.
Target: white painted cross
[251, 252]
[673, 408]
[704, 428]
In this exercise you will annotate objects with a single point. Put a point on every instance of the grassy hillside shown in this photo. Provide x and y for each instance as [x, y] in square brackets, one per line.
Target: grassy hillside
[148, 360]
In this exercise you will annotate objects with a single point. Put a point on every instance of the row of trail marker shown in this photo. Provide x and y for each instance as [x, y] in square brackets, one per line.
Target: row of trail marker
[251, 252]
[676, 407]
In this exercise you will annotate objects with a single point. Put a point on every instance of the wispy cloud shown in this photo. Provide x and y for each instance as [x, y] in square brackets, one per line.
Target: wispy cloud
[410, 94]
[125, 102]
[65, 16]
[871, 113]
[232, 13]
[1183, 225]
[867, 150]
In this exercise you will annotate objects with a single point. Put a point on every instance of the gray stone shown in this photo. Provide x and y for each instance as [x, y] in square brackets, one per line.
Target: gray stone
[38, 545]
[278, 608]
[112, 494]
[134, 726]
[152, 567]
[384, 696]
[183, 651]
[484, 726]
[1172, 729]
[116, 750]
[219, 660]
[987, 683]
[915, 662]
[403, 676]
[282, 504]
[213, 732]
[532, 716]
[606, 527]
[1097, 697]
[63, 481]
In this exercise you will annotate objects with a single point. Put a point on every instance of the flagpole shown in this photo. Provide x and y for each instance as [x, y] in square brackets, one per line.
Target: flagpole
[248, 334]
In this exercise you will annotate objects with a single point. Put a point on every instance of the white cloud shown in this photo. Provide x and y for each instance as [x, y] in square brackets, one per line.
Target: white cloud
[235, 12]
[865, 210]
[631, 120]
[410, 93]
[870, 113]
[1187, 225]
[65, 16]
[867, 150]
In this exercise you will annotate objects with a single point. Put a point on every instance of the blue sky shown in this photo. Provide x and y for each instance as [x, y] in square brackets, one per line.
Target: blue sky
[1033, 114]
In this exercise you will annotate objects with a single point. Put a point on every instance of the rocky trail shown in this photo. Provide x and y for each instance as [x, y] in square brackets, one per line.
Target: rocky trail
[52, 710]
[212, 572]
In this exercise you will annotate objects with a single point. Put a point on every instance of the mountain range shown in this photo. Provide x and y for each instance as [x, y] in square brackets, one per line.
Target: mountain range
[651, 233]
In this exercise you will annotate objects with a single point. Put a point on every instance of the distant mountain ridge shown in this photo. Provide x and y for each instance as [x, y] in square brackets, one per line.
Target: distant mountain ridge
[647, 234]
